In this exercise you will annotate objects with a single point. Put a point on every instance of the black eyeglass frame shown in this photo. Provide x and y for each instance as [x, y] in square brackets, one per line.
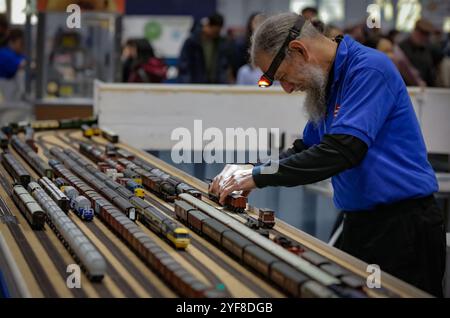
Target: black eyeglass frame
[268, 77]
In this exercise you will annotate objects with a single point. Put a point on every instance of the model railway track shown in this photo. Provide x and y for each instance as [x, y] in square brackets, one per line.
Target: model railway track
[12, 280]
[112, 273]
[183, 281]
[317, 259]
[58, 261]
[125, 262]
[29, 255]
[209, 253]
[117, 279]
[25, 248]
[44, 145]
[213, 279]
[6, 215]
[202, 247]
[327, 278]
[206, 271]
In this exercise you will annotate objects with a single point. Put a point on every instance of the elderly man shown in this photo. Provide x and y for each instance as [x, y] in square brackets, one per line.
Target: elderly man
[362, 132]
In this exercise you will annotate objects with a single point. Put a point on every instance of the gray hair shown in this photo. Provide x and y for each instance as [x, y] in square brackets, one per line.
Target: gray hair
[270, 35]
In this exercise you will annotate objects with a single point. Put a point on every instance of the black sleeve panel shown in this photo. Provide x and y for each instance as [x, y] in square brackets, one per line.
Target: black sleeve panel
[297, 147]
[332, 156]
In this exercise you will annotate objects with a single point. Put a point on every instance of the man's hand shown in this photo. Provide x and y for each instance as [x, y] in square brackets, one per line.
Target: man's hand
[239, 180]
[219, 179]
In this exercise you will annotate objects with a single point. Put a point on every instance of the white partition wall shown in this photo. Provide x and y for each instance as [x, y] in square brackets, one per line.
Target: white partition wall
[145, 115]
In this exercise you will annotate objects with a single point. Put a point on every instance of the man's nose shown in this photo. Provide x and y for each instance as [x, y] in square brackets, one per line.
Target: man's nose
[287, 87]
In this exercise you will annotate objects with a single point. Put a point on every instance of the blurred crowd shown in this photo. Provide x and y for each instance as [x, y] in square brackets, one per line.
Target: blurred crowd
[422, 56]
[208, 57]
[12, 46]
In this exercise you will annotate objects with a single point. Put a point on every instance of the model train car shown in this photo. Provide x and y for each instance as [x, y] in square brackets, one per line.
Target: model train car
[158, 186]
[111, 151]
[125, 154]
[113, 191]
[60, 183]
[234, 202]
[133, 186]
[4, 140]
[55, 193]
[73, 123]
[45, 125]
[288, 244]
[79, 204]
[76, 122]
[96, 130]
[128, 173]
[74, 240]
[15, 169]
[93, 153]
[31, 157]
[88, 132]
[266, 218]
[29, 138]
[162, 184]
[29, 207]
[157, 181]
[110, 135]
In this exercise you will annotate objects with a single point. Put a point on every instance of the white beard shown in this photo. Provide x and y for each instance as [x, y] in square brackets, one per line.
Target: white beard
[315, 101]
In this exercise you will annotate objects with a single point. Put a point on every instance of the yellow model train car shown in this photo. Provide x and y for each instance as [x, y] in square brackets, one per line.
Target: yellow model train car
[180, 238]
[88, 131]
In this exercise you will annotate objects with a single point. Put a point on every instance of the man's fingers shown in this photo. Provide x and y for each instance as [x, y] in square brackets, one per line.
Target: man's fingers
[226, 192]
[227, 183]
[214, 187]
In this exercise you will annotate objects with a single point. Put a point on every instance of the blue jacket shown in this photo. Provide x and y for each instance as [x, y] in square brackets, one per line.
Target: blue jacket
[9, 62]
[369, 100]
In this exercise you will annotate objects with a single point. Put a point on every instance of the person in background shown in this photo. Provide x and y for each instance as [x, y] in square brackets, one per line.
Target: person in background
[409, 73]
[332, 31]
[11, 55]
[247, 74]
[241, 45]
[394, 35]
[144, 66]
[4, 27]
[206, 57]
[422, 54]
[445, 65]
[129, 54]
[356, 32]
[310, 13]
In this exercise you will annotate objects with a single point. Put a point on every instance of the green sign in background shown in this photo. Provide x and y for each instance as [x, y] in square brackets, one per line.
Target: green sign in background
[152, 30]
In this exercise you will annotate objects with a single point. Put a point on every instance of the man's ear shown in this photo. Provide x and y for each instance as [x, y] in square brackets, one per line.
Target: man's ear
[298, 46]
